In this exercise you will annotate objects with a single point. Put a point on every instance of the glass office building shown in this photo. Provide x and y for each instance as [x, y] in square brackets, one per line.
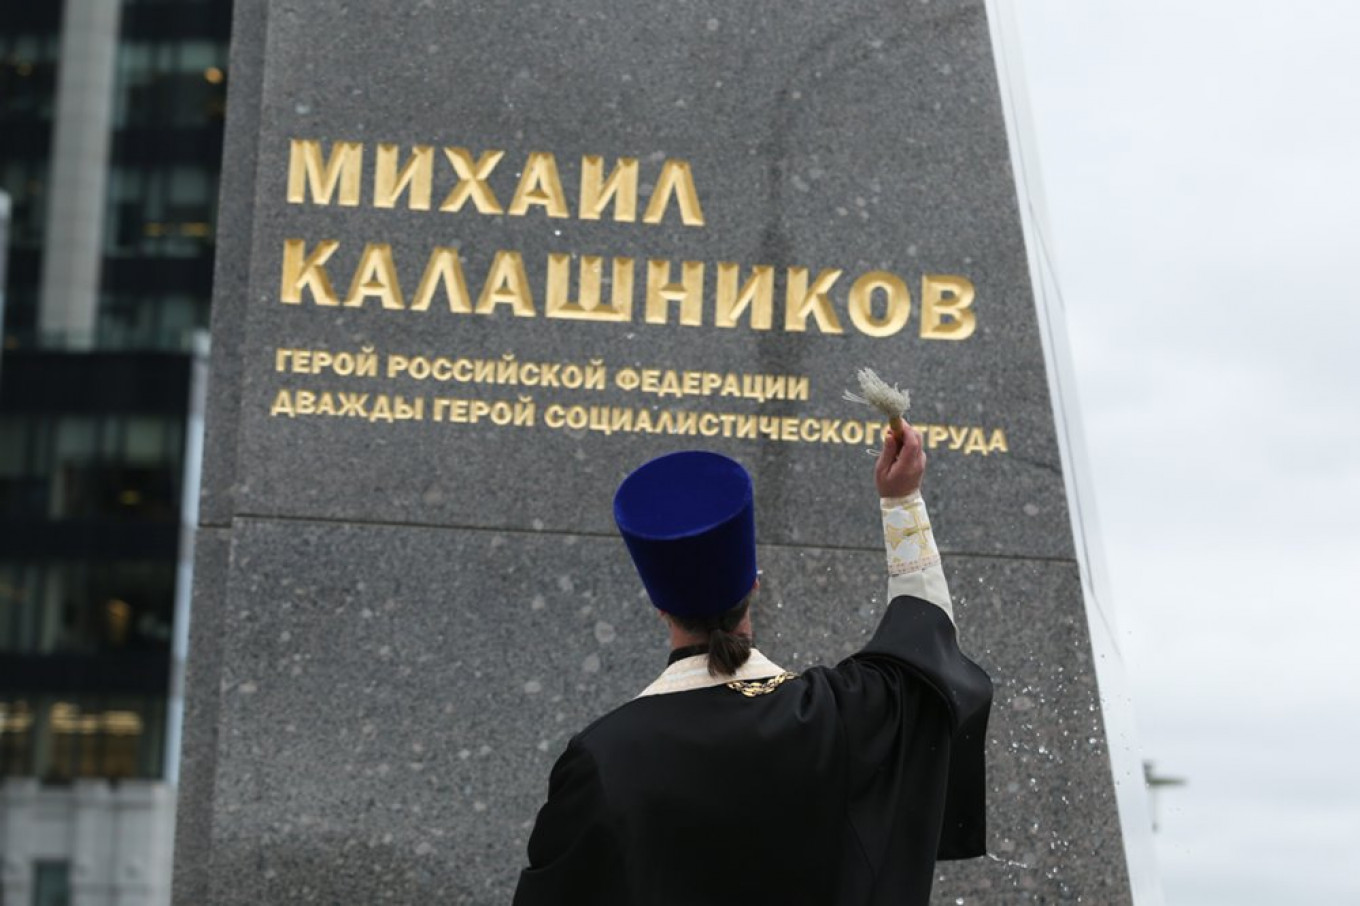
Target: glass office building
[111, 122]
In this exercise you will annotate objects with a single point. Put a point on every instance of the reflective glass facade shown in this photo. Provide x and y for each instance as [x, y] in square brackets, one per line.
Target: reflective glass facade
[169, 105]
[30, 38]
[169, 108]
[92, 440]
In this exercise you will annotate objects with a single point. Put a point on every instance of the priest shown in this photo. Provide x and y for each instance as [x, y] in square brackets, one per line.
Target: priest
[730, 780]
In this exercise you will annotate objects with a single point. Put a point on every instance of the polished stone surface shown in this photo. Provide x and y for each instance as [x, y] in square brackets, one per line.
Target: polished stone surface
[198, 749]
[232, 267]
[849, 137]
[416, 614]
[396, 731]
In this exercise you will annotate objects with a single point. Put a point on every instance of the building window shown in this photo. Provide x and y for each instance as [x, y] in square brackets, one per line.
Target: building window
[86, 606]
[51, 883]
[65, 738]
[16, 739]
[119, 467]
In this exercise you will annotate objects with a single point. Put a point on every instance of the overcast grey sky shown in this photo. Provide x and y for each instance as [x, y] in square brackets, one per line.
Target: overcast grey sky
[1202, 175]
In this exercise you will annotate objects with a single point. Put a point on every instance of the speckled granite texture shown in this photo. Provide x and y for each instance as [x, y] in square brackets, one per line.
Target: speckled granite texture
[400, 622]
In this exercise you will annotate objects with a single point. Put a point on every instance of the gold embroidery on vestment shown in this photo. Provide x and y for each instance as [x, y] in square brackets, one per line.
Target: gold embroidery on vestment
[752, 688]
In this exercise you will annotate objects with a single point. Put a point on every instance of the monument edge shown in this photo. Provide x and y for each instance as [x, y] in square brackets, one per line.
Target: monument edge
[1121, 732]
[231, 282]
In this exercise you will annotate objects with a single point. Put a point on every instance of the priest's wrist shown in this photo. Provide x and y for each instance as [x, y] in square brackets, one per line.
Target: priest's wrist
[907, 534]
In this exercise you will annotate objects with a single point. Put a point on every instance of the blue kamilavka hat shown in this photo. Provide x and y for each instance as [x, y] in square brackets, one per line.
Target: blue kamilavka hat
[689, 521]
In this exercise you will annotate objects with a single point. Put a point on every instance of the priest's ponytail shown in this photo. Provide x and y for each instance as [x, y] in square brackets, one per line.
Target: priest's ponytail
[728, 649]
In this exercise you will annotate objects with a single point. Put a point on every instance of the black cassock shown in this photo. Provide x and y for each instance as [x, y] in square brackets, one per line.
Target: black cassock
[838, 787]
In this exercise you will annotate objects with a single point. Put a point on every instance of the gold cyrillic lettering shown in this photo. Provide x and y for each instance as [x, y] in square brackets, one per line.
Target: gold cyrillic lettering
[524, 411]
[621, 188]
[507, 284]
[540, 185]
[753, 387]
[352, 404]
[282, 405]
[472, 181]
[444, 271]
[947, 307]
[306, 172]
[381, 411]
[376, 275]
[587, 307]
[307, 272]
[688, 292]
[507, 369]
[412, 411]
[757, 295]
[417, 176]
[800, 301]
[675, 179]
[419, 368]
[861, 303]
[595, 375]
[599, 420]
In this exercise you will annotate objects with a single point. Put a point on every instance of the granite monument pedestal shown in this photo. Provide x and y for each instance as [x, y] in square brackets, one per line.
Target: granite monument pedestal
[476, 263]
